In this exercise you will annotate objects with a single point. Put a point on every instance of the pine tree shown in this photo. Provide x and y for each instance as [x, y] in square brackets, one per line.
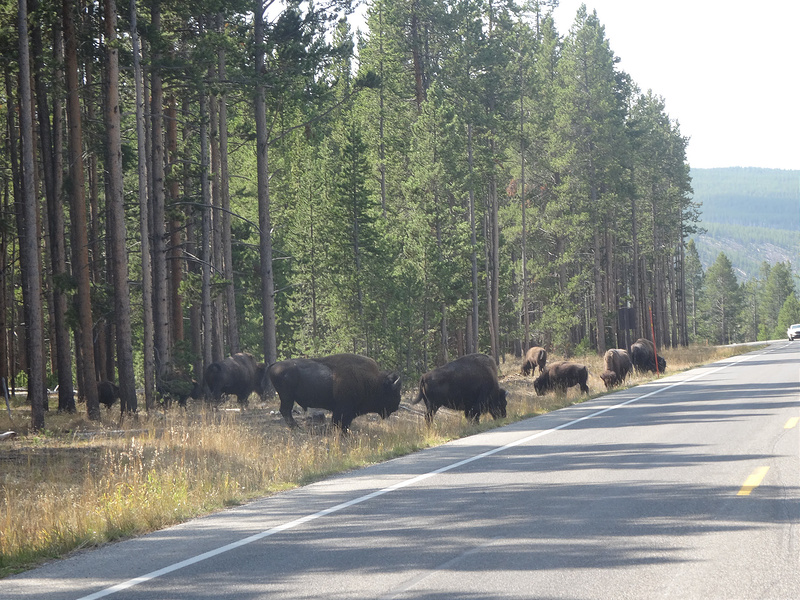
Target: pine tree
[722, 302]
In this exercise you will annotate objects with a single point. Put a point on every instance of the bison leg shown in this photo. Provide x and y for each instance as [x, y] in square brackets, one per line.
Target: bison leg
[473, 414]
[342, 419]
[429, 413]
[286, 411]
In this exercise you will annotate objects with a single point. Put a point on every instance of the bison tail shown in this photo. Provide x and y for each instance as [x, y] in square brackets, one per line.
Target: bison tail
[420, 394]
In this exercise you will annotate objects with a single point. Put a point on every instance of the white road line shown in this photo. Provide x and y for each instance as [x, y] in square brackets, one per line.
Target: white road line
[402, 484]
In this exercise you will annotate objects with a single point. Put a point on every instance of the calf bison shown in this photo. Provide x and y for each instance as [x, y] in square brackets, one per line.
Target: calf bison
[107, 393]
[468, 383]
[618, 367]
[561, 375]
[348, 385]
[534, 357]
[238, 375]
[643, 356]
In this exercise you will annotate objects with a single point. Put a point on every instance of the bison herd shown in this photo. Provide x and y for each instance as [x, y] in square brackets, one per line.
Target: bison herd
[350, 385]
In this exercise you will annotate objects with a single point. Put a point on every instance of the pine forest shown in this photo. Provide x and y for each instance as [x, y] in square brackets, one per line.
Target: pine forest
[182, 181]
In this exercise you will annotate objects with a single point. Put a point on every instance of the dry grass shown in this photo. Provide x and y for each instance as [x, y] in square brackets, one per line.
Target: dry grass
[82, 484]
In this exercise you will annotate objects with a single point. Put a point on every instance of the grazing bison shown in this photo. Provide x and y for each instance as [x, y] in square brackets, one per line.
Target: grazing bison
[643, 356]
[468, 383]
[534, 357]
[107, 393]
[238, 375]
[348, 385]
[618, 367]
[560, 376]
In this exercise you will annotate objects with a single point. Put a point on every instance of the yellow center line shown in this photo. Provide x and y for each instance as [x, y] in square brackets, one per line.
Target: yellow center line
[791, 423]
[753, 481]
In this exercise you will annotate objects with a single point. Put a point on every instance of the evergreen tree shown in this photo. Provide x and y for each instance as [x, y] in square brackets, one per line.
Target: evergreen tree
[789, 314]
[722, 302]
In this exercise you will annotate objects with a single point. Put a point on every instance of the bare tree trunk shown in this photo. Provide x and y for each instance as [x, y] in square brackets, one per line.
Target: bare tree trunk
[80, 254]
[205, 235]
[175, 225]
[96, 258]
[225, 197]
[147, 280]
[473, 340]
[160, 285]
[55, 213]
[264, 219]
[29, 245]
[116, 205]
[217, 344]
[195, 312]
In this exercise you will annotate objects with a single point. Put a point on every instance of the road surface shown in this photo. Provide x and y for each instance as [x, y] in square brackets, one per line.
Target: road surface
[688, 487]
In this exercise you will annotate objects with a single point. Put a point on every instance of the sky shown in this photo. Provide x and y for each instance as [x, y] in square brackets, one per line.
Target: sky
[728, 71]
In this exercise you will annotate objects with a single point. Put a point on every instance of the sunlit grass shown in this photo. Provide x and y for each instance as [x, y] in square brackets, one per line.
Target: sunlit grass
[82, 484]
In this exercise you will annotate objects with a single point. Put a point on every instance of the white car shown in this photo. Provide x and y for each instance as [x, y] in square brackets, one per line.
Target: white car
[793, 332]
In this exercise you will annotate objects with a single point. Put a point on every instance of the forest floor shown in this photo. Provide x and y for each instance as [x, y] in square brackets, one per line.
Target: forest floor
[81, 483]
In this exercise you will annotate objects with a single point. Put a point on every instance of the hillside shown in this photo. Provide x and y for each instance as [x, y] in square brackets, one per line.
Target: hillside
[752, 215]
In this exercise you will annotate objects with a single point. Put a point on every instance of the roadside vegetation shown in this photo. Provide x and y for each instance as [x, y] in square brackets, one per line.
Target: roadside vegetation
[82, 483]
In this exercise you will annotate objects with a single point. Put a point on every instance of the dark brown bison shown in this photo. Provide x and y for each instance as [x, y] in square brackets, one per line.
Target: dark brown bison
[561, 375]
[107, 393]
[618, 367]
[534, 357]
[643, 356]
[468, 383]
[348, 385]
[238, 375]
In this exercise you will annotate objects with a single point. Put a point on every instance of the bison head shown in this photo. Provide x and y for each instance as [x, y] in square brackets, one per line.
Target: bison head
[497, 404]
[540, 384]
[390, 401]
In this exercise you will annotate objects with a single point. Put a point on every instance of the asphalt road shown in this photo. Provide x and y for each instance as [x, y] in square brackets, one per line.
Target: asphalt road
[688, 487]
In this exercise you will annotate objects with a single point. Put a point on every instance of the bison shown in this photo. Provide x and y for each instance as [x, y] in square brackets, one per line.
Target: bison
[534, 357]
[468, 383]
[560, 376]
[348, 385]
[107, 393]
[238, 375]
[618, 366]
[643, 356]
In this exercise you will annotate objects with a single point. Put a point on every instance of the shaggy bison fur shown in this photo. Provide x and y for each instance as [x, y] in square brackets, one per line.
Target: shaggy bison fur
[348, 385]
[238, 375]
[643, 356]
[534, 357]
[561, 375]
[466, 384]
[618, 367]
[107, 393]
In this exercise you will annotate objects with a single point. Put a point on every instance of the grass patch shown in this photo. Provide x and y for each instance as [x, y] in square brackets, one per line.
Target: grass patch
[81, 484]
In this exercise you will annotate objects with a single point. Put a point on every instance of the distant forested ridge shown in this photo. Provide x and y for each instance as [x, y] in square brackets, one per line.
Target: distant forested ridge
[751, 214]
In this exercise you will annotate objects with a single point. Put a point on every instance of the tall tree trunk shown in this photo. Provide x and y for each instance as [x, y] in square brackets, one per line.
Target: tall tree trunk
[55, 214]
[264, 219]
[195, 311]
[116, 206]
[96, 258]
[29, 245]
[494, 288]
[217, 345]
[225, 197]
[80, 242]
[175, 224]
[160, 285]
[205, 235]
[147, 279]
[526, 315]
[682, 283]
[473, 341]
